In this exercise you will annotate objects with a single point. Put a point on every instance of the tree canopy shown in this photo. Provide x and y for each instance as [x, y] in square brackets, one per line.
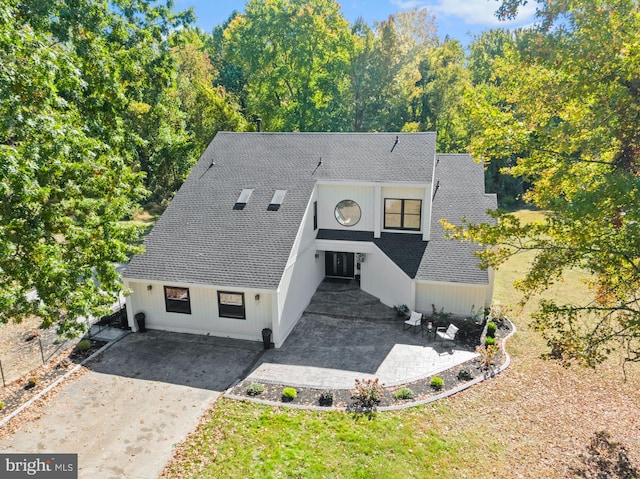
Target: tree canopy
[567, 107]
[73, 78]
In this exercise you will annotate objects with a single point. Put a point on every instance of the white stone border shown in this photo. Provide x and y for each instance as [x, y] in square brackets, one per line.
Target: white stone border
[59, 380]
[449, 392]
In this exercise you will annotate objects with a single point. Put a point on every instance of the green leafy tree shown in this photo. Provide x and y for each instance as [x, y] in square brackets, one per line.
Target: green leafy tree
[385, 69]
[295, 56]
[72, 79]
[209, 108]
[568, 108]
[484, 51]
[440, 104]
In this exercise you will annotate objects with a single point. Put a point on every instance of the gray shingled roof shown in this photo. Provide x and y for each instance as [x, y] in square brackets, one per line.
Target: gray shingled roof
[201, 239]
[405, 250]
[460, 194]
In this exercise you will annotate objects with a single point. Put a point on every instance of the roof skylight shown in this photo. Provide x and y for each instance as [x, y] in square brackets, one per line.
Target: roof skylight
[276, 201]
[243, 199]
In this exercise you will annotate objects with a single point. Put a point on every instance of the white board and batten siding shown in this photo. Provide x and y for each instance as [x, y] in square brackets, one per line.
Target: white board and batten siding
[383, 279]
[459, 299]
[301, 277]
[330, 195]
[204, 317]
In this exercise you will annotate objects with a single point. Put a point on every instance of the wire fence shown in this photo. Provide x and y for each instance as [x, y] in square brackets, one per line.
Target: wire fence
[29, 349]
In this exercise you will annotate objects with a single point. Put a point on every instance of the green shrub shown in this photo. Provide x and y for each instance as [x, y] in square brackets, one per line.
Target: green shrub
[255, 389]
[32, 382]
[465, 375]
[437, 383]
[326, 398]
[289, 394]
[83, 345]
[367, 393]
[489, 341]
[491, 329]
[404, 393]
[1, 405]
[441, 318]
[401, 309]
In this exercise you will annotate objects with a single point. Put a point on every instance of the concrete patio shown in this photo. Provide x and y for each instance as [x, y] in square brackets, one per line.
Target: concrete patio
[346, 334]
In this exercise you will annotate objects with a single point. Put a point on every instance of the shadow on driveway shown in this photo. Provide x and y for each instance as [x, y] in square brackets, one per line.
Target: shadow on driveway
[138, 400]
[202, 362]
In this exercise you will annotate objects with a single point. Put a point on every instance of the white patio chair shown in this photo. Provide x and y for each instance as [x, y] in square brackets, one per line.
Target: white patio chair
[447, 334]
[414, 321]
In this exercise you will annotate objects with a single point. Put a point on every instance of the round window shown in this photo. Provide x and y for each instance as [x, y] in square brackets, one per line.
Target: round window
[347, 212]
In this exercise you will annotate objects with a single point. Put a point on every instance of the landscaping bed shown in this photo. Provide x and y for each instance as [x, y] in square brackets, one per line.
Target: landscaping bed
[413, 392]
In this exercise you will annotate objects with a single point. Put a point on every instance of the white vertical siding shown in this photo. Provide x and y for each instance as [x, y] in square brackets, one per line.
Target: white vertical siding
[383, 279]
[299, 283]
[454, 298]
[488, 299]
[400, 192]
[303, 274]
[330, 195]
[204, 318]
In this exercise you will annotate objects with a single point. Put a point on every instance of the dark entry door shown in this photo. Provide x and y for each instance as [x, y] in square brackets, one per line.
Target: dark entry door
[338, 264]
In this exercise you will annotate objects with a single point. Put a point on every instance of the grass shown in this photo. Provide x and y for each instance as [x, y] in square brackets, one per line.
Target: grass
[145, 219]
[252, 441]
[534, 420]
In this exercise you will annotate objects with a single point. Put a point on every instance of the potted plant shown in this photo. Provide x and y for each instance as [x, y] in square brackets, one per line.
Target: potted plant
[401, 309]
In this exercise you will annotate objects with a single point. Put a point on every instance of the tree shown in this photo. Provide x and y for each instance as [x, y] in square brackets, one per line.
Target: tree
[385, 69]
[486, 49]
[72, 80]
[295, 56]
[440, 104]
[569, 110]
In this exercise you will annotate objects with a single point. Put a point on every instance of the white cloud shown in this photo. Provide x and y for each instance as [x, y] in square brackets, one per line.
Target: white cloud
[471, 12]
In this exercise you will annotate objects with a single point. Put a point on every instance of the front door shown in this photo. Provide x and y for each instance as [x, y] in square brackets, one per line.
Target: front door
[338, 264]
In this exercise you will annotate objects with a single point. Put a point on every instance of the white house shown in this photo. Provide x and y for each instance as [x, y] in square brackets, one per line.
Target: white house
[265, 217]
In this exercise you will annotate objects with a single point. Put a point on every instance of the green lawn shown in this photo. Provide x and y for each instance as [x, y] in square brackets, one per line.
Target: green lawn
[533, 421]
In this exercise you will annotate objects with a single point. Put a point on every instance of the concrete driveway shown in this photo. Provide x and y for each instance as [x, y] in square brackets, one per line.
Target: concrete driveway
[136, 403]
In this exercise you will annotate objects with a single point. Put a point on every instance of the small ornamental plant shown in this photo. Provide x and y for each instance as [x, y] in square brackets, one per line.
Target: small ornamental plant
[488, 356]
[489, 341]
[367, 392]
[32, 382]
[255, 389]
[465, 375]
[404, 393]
[1, 405]
[326, 398]
[289, 394]
[437, 383]
[491, 329]
[83, 345]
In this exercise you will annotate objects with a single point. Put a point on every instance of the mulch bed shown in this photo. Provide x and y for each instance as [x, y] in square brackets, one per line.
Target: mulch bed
[342, 398]
[22, 390]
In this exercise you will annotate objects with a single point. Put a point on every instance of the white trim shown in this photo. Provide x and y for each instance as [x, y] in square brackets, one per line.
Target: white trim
[345, 246]
[181, 284]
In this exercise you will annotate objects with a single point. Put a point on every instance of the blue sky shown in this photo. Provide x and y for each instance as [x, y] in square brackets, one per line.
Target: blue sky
[456, 18]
